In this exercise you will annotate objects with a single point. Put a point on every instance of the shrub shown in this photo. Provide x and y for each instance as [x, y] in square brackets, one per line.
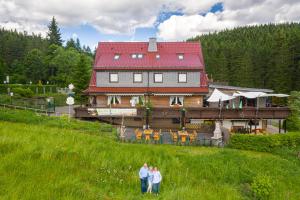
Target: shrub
[265, 143]
[23, 92]
[261, 186]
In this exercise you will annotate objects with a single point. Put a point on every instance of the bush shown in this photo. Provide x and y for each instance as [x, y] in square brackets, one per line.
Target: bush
[23, 92]
[37, 89]
[261, 186]
[265, 143]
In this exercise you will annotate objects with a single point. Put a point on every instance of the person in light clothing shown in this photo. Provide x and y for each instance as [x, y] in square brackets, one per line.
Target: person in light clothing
[156, 181]
[143, 174]
[150, 179]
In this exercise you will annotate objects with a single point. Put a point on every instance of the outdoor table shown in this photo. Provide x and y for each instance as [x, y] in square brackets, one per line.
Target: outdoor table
[183, 135]
[148, 133]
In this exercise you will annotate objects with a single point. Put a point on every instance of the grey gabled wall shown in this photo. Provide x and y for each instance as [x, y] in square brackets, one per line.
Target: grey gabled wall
[170, 79]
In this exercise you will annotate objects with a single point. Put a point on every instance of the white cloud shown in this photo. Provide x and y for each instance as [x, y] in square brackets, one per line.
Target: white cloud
[235, 13]
[124, 16]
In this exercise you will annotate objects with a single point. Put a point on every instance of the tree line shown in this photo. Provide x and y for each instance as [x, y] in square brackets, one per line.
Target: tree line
[34, 59]
[263, 56]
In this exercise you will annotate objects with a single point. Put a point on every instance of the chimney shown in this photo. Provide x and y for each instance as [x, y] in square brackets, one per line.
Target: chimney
[152, 46]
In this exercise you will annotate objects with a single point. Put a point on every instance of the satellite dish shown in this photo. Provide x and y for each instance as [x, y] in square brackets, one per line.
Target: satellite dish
[70, 101]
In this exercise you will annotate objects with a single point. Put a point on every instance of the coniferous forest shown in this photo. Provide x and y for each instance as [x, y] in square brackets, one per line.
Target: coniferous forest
[264, 56]
[35, 59]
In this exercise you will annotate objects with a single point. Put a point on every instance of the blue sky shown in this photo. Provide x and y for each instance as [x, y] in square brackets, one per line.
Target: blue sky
[137, 20]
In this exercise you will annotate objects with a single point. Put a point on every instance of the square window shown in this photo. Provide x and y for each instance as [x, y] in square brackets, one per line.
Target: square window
[157, 56]
[158, 78]
[113, 78]
[133, 56]
[137, 78]
[117, 56]
[182, 78]
[180, 56]
[140, 55]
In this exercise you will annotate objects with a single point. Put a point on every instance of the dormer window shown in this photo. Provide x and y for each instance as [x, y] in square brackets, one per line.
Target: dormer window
[117, 56]
[133, 56]
[180, 56]
[157, 56]
[140, 55]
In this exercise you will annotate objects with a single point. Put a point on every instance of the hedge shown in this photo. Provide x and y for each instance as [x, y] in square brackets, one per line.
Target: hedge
[36, 89]
[265, 143]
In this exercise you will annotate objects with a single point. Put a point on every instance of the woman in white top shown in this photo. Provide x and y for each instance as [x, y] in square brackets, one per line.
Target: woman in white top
[156, 181]
[150, 179]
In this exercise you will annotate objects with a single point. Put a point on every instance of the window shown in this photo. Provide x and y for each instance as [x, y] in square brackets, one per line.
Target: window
[180, 56]
[176, 100]
[135, 100]
[113, 78]
[140, 55]
[113, 100]
[158, 78]
[133, 56]
[182, 78]
[157, 56]
[117, 56]
[137, 78]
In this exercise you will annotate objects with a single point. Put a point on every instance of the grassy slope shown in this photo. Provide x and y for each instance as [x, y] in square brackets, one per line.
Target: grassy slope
[40, 162]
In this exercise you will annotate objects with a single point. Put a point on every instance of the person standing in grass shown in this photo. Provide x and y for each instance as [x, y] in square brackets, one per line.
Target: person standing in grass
[150, 179]
[143, 174]
[156, 180]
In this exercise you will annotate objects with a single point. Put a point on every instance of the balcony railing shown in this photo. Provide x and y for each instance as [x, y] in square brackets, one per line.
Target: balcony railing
[201, 113]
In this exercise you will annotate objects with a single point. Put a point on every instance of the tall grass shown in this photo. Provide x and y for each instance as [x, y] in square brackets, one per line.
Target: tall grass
[63, 122]
[38, 161]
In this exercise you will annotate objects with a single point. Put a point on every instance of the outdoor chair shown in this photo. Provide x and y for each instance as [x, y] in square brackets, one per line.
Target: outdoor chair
[193, 137]
[174, 137]
[156, 136]
[138, 135]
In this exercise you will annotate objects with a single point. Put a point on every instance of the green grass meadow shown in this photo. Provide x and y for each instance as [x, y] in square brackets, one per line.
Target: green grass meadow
[41, 160]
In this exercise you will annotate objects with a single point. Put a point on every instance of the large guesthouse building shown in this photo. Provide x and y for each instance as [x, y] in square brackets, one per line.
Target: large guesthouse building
[130, 74]
[164, 85]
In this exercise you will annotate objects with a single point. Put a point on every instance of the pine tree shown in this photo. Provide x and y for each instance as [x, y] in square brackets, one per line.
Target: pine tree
[54, 35]
[81, 75]
[71, 44]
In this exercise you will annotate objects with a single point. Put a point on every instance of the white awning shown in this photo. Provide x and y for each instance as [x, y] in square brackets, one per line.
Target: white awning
[275, 95]
[217, 96]
[253, 95]
[249, 95]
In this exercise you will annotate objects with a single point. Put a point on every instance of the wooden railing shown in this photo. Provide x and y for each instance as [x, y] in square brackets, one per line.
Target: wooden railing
[204, 113]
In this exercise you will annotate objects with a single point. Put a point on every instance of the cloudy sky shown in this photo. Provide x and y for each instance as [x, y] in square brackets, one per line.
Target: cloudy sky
[137, 20]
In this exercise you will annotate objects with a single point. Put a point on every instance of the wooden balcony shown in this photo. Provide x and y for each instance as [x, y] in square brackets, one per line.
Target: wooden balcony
[200, 113]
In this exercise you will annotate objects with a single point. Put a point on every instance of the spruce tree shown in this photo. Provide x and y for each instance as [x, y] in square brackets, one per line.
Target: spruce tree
[54, 35]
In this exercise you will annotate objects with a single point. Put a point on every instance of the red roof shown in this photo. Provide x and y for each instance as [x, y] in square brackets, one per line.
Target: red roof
[168, 52]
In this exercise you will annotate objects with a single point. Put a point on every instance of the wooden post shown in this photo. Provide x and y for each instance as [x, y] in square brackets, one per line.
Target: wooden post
[280, 126]
[284, 126]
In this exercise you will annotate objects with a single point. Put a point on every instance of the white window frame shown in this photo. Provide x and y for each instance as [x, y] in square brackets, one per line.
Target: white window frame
[111, 79]
[140, 56]
[155, 78]
[180, 80]
[177, 99]
[133, 56]
[113, 100]
[157, 56]
[180, 56]
[134, 78]
[116, 56]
